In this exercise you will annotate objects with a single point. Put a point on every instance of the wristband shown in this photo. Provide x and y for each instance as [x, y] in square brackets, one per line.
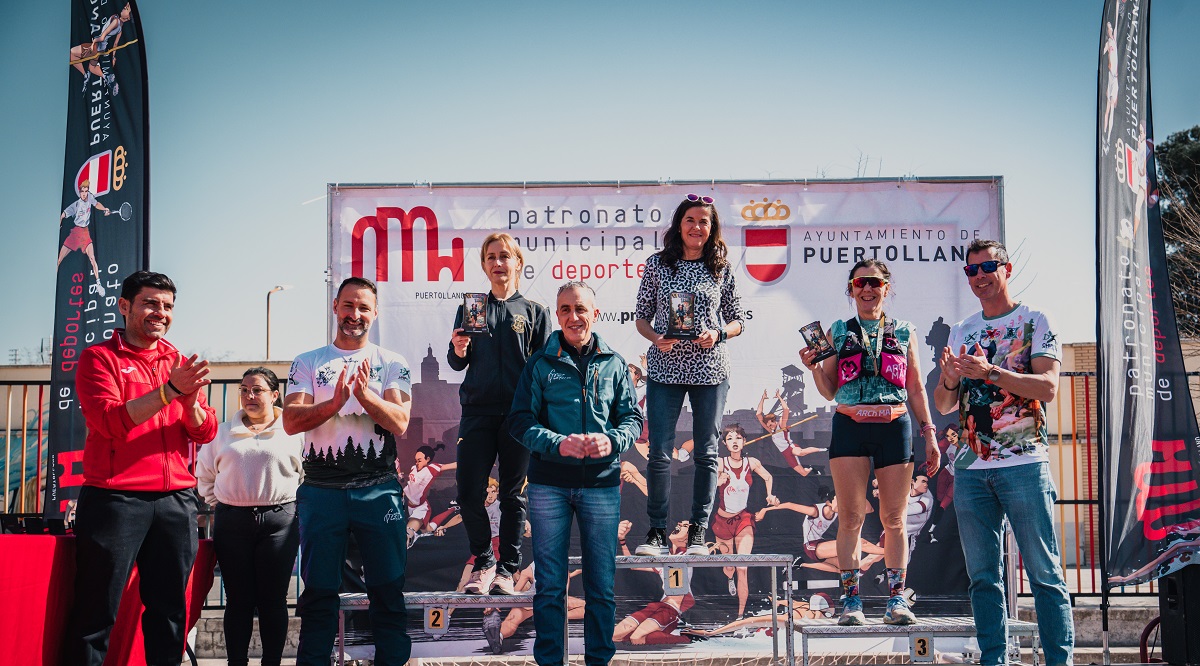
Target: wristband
[162, 395]
[174, 388]
[949, 388]
[622, 543]
[928, 426]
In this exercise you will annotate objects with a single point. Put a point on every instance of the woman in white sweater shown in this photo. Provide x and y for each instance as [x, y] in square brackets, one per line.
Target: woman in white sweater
[250, 473]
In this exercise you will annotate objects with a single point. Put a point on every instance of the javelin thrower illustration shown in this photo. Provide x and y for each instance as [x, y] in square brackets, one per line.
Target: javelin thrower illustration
[108, 41]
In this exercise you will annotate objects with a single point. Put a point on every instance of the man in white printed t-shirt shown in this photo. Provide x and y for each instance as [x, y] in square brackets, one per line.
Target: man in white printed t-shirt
[999, 371]
[351, 399]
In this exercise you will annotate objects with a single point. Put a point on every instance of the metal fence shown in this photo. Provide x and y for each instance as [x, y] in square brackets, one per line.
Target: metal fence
[1074, 454]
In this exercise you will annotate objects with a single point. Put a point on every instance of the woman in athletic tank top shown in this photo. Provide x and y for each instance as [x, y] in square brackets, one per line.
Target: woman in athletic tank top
[874, 378]
[732, 522]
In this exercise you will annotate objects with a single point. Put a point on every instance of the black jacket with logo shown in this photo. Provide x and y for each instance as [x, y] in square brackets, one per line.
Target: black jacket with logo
[517, 328]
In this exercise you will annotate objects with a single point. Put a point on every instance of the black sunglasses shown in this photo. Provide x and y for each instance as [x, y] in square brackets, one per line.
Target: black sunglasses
[988, 267]
[697, 197]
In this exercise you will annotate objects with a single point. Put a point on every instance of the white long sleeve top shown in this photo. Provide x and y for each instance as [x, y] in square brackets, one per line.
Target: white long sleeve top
[244, 468]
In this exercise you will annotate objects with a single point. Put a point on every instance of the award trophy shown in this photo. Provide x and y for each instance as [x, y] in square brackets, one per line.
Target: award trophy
[474, 321]
[681, 321]
[815, 338]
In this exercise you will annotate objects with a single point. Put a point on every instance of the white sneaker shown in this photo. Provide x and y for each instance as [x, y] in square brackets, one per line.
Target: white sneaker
[502, 584]
[480, 581]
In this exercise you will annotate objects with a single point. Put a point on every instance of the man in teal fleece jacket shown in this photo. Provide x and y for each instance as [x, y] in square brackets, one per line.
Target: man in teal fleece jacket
[575, 410]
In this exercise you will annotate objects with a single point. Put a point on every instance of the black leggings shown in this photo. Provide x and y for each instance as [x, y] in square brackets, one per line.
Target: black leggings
[256, 549]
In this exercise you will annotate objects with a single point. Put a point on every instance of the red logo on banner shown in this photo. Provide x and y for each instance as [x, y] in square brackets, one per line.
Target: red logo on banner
[1178, 496]
[434, 260]
[766, 253]
[98, 172]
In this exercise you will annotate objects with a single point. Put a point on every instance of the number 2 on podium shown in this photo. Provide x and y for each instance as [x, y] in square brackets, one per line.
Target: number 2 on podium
[435, 620]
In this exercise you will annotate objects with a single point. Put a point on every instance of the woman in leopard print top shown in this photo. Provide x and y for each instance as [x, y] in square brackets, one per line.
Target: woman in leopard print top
[692, 260]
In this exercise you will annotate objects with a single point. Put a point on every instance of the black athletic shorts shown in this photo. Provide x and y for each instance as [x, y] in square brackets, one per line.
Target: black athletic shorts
[886, 443]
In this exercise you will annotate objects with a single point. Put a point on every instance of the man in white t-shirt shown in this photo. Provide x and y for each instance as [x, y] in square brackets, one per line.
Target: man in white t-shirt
[351, 399]
[999, 370]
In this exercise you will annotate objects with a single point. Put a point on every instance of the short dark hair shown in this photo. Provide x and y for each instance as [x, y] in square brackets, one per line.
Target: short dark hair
[997, 248]
[428, 451]
[359, 282]
[141, 279]
[269, 377]
[733, 427]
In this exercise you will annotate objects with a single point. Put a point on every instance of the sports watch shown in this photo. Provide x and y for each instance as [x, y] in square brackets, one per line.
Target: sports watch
[993, 374]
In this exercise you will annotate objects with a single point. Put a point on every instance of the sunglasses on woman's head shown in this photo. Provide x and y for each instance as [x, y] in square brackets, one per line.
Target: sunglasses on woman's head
[988, 267]
[697, 197]
[863, 281]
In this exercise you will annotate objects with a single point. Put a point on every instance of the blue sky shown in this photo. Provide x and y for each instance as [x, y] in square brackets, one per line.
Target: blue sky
[256, 106]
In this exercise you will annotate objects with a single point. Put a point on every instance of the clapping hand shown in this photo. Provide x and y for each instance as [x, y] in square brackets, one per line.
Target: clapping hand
[188, 377]
[360, 382]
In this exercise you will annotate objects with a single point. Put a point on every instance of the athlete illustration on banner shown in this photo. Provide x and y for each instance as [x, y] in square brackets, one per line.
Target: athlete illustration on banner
[85, 58]
[1112, 90]
[732, 523]
[658, 621]
[777, 428]
[496, 628]
[945, 479]
[416, 489]
[917, 513]
[817, 606]
[80, 238]
[492, 506]
[821, 553]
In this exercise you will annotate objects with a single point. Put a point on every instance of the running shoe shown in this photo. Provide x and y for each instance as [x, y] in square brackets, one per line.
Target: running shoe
[480, 581]
[656, 544]
[491, 631]
[898, 612]
[852, 612]
[503, 584]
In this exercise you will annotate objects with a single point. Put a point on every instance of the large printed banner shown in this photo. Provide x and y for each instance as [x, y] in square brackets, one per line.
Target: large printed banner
[105, 218]
[1148, 429]
[791, 246]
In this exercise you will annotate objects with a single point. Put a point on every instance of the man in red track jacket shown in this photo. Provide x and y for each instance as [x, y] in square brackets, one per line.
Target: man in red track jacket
[143, 406]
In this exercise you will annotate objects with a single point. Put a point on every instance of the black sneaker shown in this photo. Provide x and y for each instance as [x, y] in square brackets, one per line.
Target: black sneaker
[695, 542]
[656, 544]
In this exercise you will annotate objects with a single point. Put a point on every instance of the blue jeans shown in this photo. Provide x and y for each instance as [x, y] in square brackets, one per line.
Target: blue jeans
[1026, 494]
[664, 402]
[550, 513]
[379, 520]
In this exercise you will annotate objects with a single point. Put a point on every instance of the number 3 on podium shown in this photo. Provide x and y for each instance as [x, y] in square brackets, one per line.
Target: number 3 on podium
[436, 621]
[921, 648]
